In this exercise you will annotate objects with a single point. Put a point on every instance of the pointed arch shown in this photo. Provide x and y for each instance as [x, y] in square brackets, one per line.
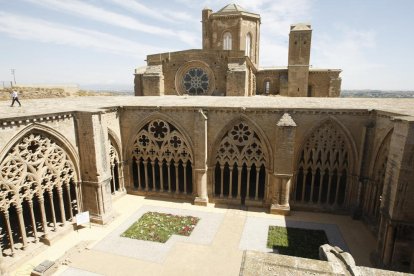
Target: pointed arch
[350, 142]
[61, 139]
[227, 40]
[161, 157]
[372, 192]
[254, 126]
[154, 116]
[324, 166]
[240, 158]
[39, 186]
[115, 162]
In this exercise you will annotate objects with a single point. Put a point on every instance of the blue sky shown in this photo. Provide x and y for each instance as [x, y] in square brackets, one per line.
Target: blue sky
[98, 44]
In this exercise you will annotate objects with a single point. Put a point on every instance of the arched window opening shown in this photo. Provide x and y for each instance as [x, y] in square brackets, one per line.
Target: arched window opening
[322, 171]
[227, 41]
[248, 45]
[38, 192]
[267, 87]
[240, 165]
[161, 160]
[117, 178]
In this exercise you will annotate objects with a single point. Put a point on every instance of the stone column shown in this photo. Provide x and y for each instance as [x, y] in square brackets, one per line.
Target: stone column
[283, 167]
[95, 166]
[200, 158]
[397, 193]
[389, 245]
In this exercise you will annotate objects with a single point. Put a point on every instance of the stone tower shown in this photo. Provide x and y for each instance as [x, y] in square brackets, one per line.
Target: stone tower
[232, 28]
[298, 61]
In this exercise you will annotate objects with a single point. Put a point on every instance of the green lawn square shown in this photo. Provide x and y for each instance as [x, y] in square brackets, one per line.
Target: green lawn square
[159, 227]
[296, 241]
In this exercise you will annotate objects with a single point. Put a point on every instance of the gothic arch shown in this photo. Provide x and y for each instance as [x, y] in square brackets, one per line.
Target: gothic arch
[241, 118]
[161, 158]
[115, 140]
[227, 39]
[373, 190]
[115, 162]
[64, 143]
[324, 167]
[154, 116]
[377, 147]
[347, 135]
[39, 187]
[240, 160]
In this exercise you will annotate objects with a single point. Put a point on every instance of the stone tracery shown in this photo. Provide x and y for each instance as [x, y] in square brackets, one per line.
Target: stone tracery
[116, 166]
[323, 167]
[162, 159]
[240, 164]
[38, 186]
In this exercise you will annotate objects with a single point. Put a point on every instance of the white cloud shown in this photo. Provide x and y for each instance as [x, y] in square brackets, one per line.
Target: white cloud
[159, 14]
[347, 51]
[28, 28]
[92, 12]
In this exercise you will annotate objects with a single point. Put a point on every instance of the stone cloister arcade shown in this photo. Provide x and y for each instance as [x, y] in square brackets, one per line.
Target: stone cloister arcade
[161, 160]
[322, 175]
[240, 168]
[40, 191]
[272, 159]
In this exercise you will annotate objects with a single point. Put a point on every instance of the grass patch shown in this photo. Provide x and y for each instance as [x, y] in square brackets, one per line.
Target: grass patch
[159, 227]
[296, 241]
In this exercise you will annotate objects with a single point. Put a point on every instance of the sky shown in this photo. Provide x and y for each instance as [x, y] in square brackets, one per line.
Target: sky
[98, 44]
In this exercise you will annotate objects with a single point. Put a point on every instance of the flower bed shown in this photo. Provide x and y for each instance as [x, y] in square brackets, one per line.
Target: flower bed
[159, 227]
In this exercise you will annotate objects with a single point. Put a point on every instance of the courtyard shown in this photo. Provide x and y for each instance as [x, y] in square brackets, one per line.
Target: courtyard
[215, 246]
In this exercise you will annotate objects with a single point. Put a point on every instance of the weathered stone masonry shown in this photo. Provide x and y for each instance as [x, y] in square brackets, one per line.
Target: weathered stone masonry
[328, 160]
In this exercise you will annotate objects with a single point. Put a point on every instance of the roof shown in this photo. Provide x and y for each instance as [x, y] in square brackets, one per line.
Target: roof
[53, 106]
[232, 8]
[301, 27]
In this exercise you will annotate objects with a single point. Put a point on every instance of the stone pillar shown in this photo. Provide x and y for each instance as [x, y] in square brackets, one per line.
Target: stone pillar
[95, 167]
[389, 245]
[283, 167]
[3, 270]
[398, 191]
[200, 158]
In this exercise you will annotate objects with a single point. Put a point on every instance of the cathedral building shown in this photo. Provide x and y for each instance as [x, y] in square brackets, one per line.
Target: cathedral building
[228, 63]
[346, 156]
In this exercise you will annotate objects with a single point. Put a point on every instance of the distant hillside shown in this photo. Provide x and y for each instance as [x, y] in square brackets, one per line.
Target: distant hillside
[376, 94]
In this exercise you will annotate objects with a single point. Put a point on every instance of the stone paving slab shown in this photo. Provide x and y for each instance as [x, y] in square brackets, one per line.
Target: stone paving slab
[203, 233]
[255, 232]
[72, 271]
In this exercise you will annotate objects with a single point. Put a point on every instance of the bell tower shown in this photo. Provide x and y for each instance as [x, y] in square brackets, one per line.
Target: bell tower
[298, 62]
[232, 28]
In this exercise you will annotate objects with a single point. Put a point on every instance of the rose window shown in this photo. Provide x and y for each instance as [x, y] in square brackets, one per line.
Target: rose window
[196, 81]
[241, 133]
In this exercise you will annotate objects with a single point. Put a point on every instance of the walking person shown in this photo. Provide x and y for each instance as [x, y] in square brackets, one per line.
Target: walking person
[15, 98]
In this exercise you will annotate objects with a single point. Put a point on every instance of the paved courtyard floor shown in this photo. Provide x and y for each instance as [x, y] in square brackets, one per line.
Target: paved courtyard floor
[214, 248]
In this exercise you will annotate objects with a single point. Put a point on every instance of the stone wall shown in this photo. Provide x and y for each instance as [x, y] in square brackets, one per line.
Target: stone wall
[280, 136]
